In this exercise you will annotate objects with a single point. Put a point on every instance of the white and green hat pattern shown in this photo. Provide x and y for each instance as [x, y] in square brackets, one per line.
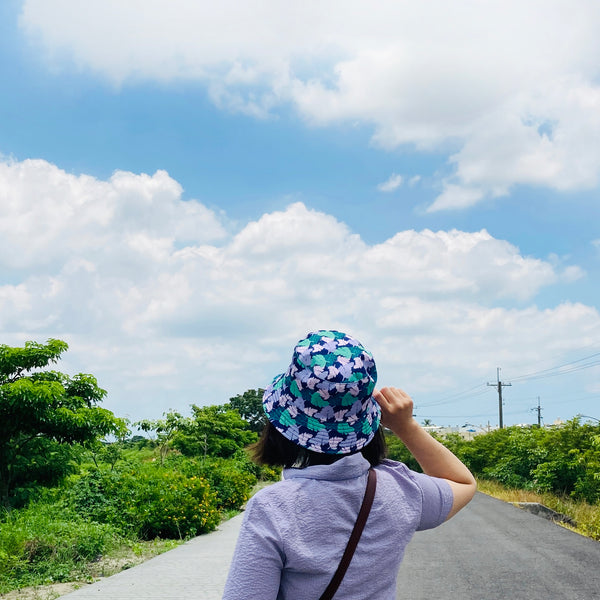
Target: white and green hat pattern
[324, 401]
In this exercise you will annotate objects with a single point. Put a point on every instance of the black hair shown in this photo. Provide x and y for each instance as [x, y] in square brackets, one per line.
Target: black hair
[276, 450]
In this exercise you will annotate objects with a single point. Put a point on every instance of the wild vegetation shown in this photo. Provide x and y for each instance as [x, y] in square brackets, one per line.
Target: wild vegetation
[69, 498]
[563, 460]
[45, 418]
[559, 466]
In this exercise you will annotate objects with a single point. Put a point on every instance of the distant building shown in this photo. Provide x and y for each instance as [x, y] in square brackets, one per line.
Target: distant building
[467, 432]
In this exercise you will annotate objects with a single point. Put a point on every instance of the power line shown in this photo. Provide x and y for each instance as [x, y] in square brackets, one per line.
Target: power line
[565, 368]
[480, 416]
[561, 398]
[470, 416]
[558, 355]
[458, 396]
[551, 372]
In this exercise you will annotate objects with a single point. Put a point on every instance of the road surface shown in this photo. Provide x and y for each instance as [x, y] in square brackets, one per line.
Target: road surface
[493, 550]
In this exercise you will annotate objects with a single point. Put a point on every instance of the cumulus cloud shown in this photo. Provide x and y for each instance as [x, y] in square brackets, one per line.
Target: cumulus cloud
[50, 218]
[168, 307]
[508, 89]
[75, 245]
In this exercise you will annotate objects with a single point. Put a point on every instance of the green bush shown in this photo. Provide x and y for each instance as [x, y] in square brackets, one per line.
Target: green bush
[230, 482]
[102, 496]
[44, 543]
[396, 450]
[563, 460]
[574, 461]
[261, 472]
[147, 502]
[522, 452]
[232, 479]
[171, 505]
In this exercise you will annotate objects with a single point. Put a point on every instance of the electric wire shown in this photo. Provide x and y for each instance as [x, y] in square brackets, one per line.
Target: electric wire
[464, 395]
[554, 371]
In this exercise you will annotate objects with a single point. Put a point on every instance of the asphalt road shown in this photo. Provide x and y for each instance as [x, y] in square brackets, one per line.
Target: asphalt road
[493, 550]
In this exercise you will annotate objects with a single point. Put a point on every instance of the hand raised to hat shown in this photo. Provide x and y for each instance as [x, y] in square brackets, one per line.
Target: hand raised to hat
[396, 409]
[435, 459]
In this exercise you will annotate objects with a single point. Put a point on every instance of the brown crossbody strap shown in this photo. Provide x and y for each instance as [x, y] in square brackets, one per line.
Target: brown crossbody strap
[354, 537]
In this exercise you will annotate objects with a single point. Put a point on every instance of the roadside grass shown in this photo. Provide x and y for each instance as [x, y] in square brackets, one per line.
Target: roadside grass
[48, 550]
[46, 544]
[586, 516]
[123, 556]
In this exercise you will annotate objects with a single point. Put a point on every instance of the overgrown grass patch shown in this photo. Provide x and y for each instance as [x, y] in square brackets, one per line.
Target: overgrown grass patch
[586, 516]
[124, 556]
[44, 544]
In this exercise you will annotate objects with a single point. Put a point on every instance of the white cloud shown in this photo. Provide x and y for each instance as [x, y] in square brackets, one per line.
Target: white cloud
[456, 196]
[393, 183]
[130, 275]
[50, 218]
[510, 88]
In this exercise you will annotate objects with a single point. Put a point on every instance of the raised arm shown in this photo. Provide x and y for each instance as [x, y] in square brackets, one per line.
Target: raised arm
[435, 459]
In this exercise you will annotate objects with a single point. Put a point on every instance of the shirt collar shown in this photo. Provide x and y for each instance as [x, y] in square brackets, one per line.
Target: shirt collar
[349, 467]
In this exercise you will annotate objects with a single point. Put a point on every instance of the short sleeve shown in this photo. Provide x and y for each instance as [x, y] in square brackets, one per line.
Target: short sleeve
[437, 500]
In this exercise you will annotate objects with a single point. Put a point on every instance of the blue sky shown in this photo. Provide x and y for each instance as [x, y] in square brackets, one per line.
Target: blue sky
[187, 191]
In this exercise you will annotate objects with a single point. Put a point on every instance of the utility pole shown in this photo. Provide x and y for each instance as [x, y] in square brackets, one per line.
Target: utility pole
[500, 385]
[539, 412]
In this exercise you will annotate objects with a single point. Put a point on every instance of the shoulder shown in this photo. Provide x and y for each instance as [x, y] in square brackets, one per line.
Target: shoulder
[432, 494]
[398, 484]
[272, 496]
[409, 479]
[397, 470]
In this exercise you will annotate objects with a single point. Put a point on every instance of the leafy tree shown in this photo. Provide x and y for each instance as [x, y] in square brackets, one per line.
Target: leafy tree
[521, 454]
[110, 454]
[213, 431]
[42, 414]
[165, 430]
[249, 405]
[484, 451]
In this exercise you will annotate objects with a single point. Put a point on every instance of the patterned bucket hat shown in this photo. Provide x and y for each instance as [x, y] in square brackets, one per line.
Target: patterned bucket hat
[324, 400]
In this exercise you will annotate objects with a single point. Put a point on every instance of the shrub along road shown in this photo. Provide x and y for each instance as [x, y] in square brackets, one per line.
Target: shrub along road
[490, 550]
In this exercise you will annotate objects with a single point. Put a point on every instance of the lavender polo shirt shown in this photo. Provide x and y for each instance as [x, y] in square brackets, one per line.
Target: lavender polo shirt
[294, 532]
